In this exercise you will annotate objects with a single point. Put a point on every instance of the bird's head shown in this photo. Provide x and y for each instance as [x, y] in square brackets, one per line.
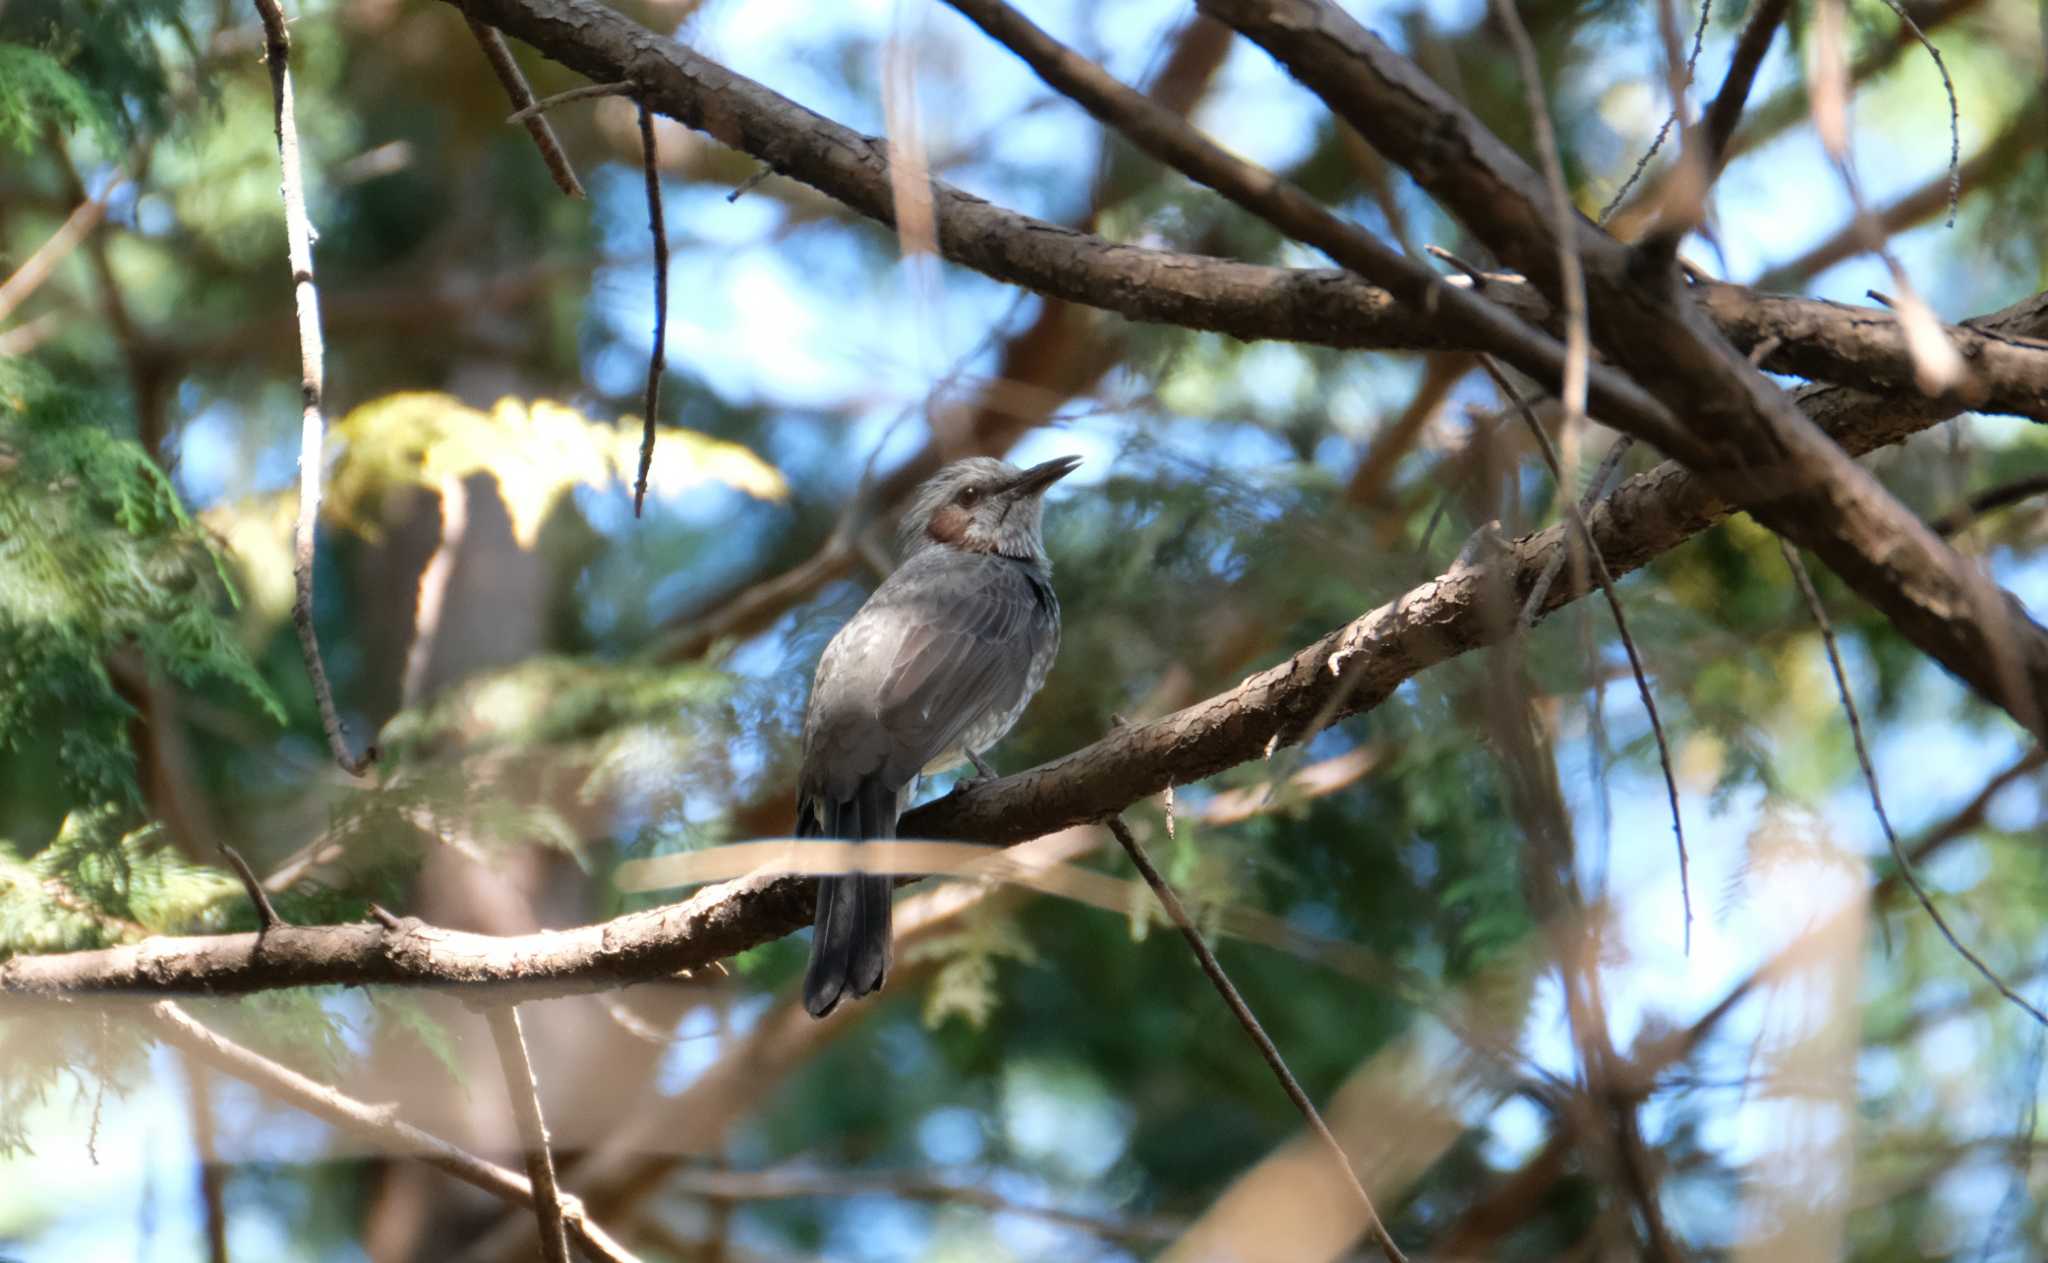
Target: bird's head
[983, 505]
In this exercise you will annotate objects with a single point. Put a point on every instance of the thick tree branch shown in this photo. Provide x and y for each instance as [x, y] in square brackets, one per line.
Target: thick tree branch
[1168, 138]
[1365, 661]
[1324, 307]
[1743, 434]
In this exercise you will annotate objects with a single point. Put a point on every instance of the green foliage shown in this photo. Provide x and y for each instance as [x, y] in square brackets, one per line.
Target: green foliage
[96, 64]
[964, 985]
[94, 885]
[98, 563]
[34, 89]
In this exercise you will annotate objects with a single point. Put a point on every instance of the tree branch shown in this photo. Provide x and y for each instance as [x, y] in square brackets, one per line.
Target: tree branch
[521, 94]
[1366, 660]
[533, 1129]
[1318, 306]
[312, 382]
[1243, 1013]
[171, 1024]
[1742, 434]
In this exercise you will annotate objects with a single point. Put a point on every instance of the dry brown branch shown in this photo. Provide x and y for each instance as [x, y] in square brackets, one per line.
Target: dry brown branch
[1245, 1018]
[788, 1182]
[1319, 306]
[37, 267]
[1367, 659]
[588, 92]
[1168, 138]
[1577, 520]
[533, 1129]
[1784, 109]
[171, 1024]
[1739, 430]
[1899, 857]
[657, 357]
[521, 94]
[1918, 206]
[1991, 500]
[312, 382]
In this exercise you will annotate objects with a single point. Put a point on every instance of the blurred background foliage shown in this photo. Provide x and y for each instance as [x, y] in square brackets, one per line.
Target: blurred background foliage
[555, 687]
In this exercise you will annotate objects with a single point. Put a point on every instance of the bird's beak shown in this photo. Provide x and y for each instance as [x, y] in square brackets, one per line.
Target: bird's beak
[1039, 477]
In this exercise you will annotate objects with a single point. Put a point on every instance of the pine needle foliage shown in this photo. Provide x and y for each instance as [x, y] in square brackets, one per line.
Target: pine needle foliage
[98, 561]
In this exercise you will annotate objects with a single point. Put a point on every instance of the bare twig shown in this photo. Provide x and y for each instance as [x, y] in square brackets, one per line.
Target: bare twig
[1242, 1011]
[589, 91]
[1955, 129]
[533, 1129]
[36, 269]
[1699, 36]
[1628, 644]
[266, 915]
[521, 93]
[657, 359]
[1595, 488]
[1571, 277]
[1725, 111]
[212, 1175]
[171, 1024]
[748, 185]
[789, 1182]
[432, 594]
[2020, 135]
[1990, 500]
[1891, 837]
[312, 382]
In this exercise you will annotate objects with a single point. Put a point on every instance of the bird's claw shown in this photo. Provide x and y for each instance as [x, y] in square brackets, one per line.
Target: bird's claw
[983, 774]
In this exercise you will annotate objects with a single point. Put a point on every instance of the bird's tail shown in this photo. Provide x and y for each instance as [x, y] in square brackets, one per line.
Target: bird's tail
[850, 949]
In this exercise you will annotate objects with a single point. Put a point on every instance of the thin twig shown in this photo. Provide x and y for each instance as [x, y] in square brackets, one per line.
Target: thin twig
[36, 269]
[657, 359]
[1725, 111]
[521, 92]
[749, 184]
[266, 915]
[1699, 36]
[1990, 500]
[533, 1129]
[1587, 499]
[212, 1174]
[588, 91]
[1955, 127]
[1891, 837]
[1571, 278]
[1242, 1011]
[431, 601]
[312, 381]
[1628, 643]
[171, 1024]
[791, 1182]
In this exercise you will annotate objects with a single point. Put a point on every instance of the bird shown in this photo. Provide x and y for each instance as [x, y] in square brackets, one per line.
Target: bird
[932, 670]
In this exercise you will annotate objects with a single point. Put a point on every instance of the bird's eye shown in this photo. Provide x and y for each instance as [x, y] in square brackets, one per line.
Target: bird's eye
[968, 495]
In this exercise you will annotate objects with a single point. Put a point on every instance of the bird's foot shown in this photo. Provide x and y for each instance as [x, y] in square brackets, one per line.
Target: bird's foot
[983, 774]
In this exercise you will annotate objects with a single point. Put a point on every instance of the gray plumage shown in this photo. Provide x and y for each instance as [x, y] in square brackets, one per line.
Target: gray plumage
[934, 668]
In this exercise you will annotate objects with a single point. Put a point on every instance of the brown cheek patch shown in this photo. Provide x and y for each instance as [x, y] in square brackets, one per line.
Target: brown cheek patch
[948, 525]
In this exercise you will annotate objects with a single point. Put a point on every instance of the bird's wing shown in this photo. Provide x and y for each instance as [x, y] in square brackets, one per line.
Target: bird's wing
[968, 634]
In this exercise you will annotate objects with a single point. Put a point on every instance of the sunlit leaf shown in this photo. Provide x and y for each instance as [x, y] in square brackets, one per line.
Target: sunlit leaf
[537, 453]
